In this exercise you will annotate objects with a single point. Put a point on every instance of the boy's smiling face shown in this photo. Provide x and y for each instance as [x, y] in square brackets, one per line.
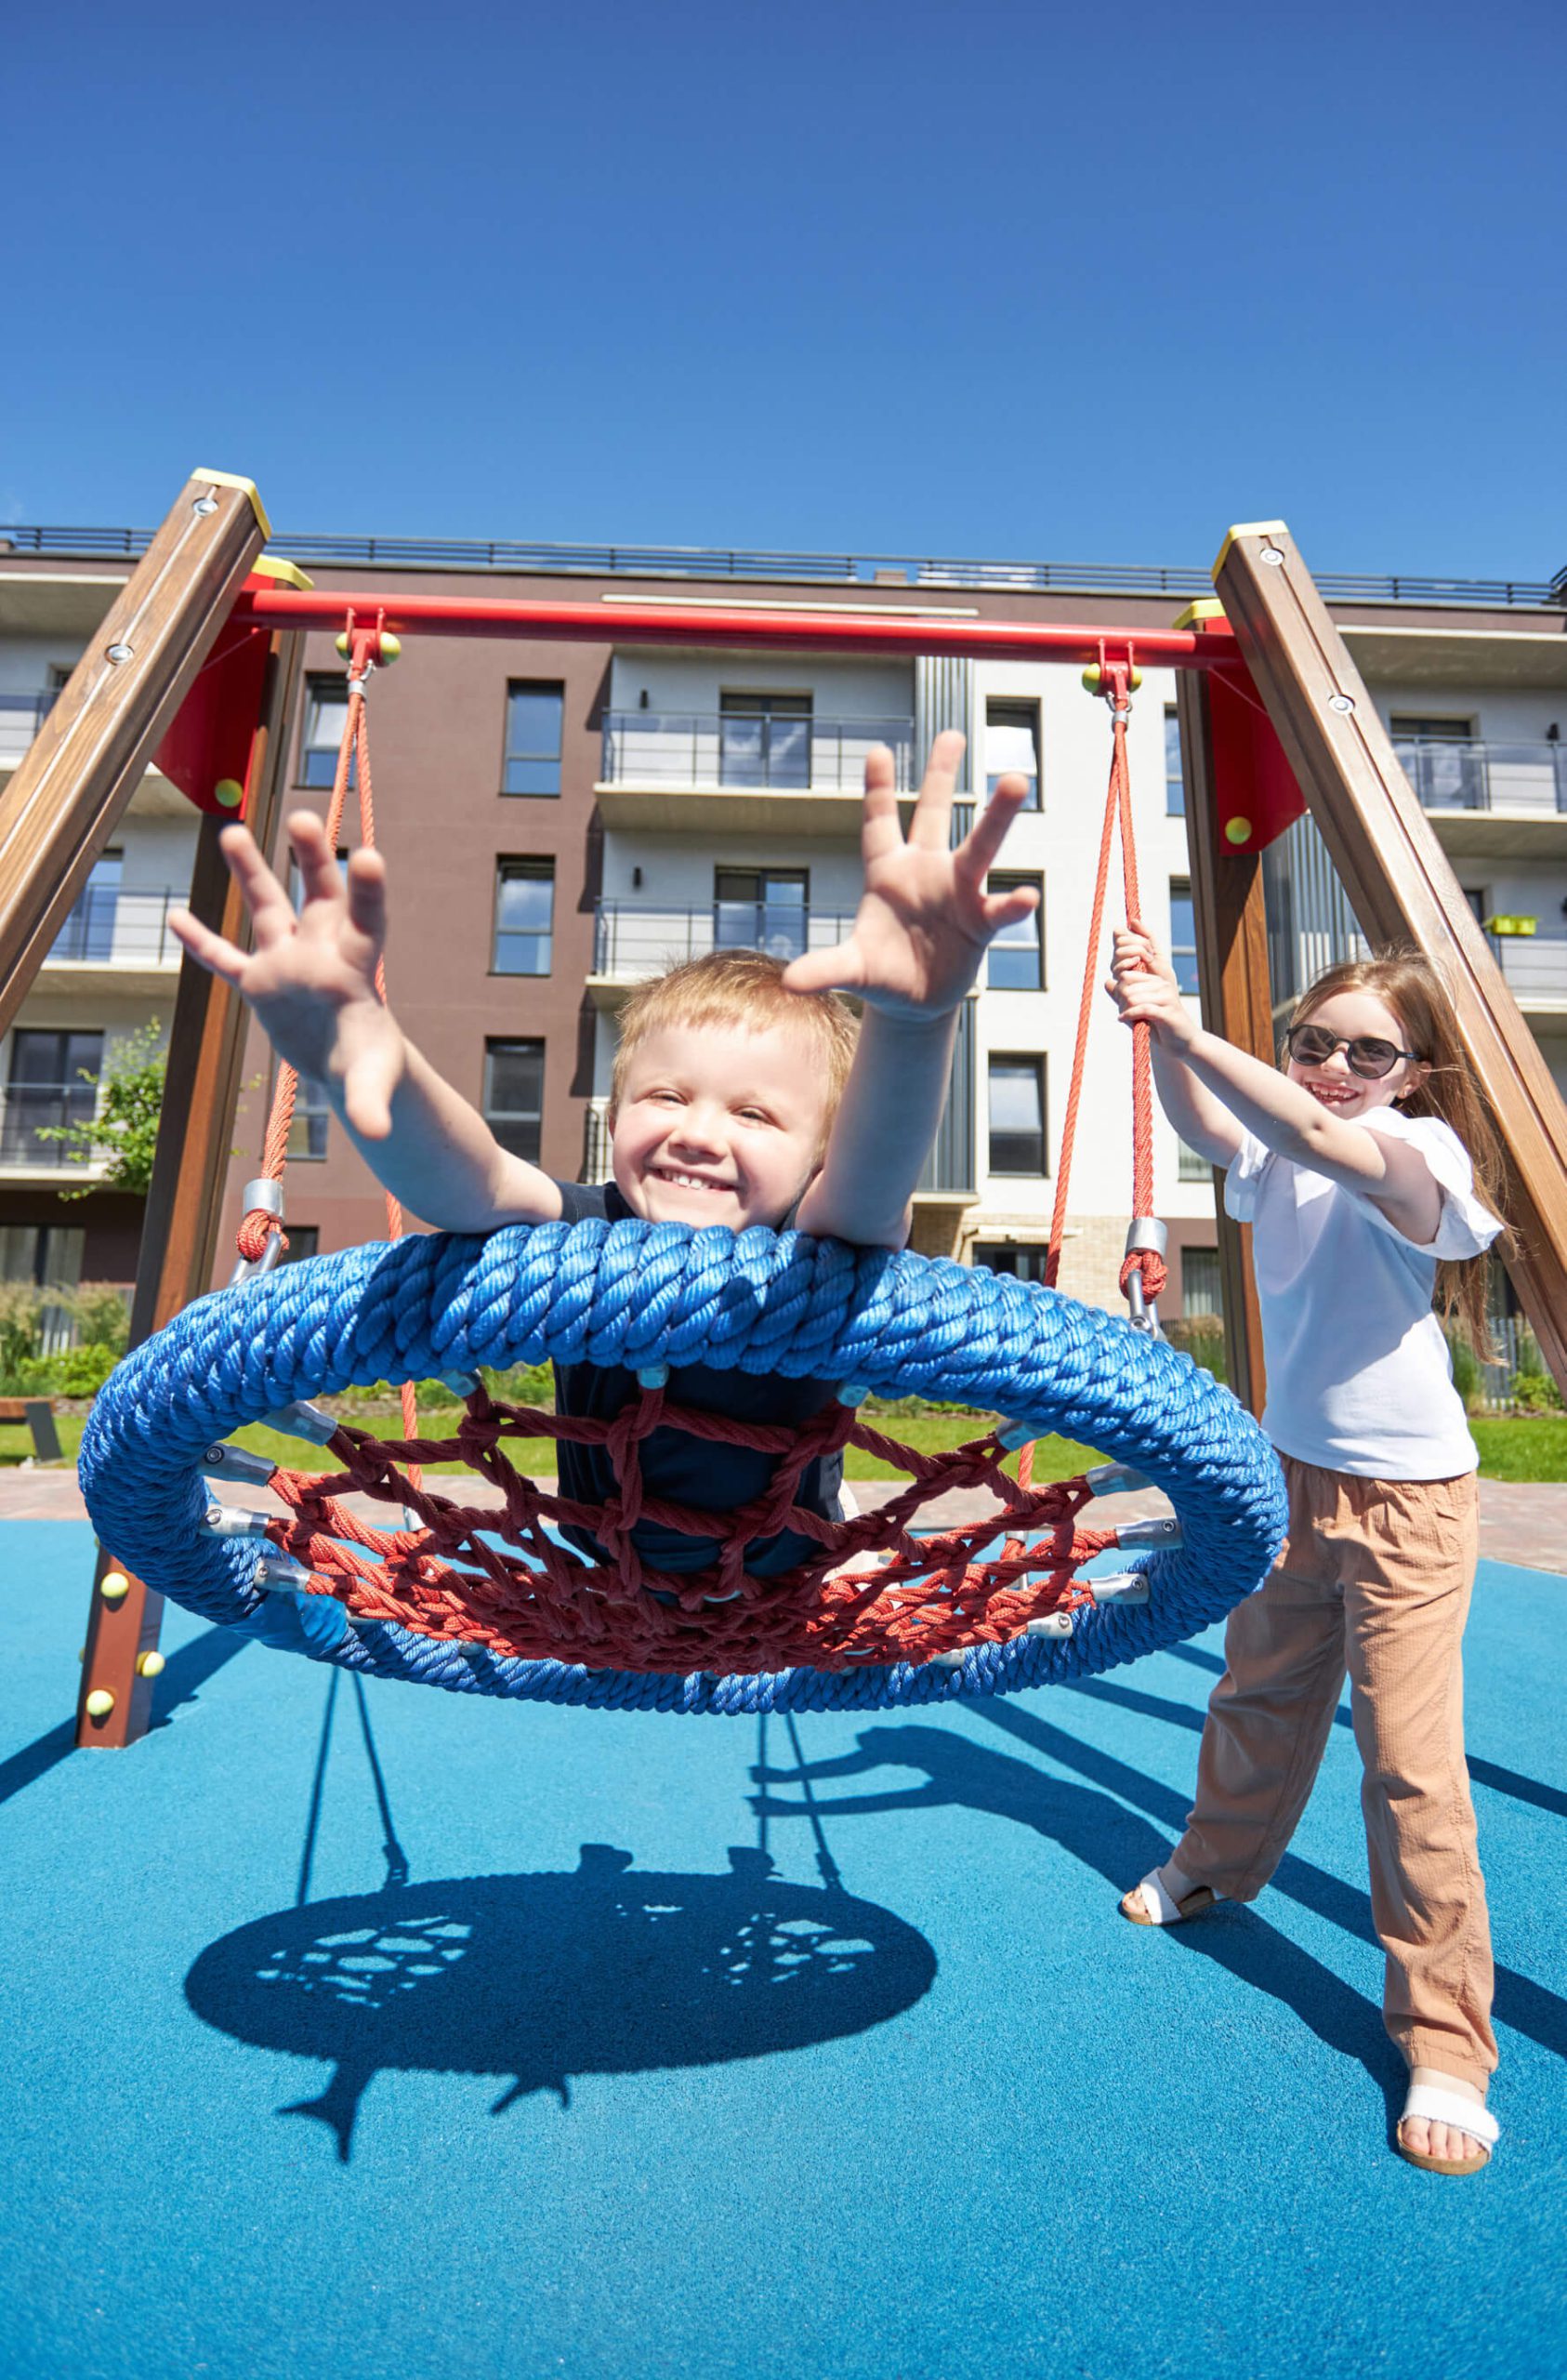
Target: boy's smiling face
[720, 1125]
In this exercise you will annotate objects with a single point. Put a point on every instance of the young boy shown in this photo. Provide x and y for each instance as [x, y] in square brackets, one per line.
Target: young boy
[742, 1094]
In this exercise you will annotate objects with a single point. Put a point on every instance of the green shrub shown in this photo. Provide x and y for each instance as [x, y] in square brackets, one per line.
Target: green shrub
[1533, 1390]
[20, 1307]
[101, 1312]
[1201, 1336]
[77, 1371]
[1468, 1379]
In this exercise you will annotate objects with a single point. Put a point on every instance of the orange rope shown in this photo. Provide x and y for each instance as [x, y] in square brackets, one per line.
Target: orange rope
[1117, 812]
[258, 1225]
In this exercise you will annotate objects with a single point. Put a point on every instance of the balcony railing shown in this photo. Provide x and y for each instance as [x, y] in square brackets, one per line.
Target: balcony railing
[776, 755]
[1485, 776]
[595, 1160]
[20, 717]
[634, 938]
[29, 1110]
[118, 929]
[1534, 968]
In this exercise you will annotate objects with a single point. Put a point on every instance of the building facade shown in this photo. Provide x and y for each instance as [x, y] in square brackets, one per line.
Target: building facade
[563, 819]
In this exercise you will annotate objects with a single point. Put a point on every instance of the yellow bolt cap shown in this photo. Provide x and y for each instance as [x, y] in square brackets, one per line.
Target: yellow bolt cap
[1093, 678]
[391, 647]
[1238, 830]
[229, 791]
[100, 1702]
[114, 1586]
[343, 644]
[149, 1664]
[1136, 679]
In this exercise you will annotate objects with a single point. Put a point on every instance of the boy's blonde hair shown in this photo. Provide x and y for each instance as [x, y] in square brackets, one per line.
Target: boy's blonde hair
[1404, 980]
[745, 988]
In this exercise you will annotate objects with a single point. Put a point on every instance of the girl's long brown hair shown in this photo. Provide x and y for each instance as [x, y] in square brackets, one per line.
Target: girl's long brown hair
[1404, 980]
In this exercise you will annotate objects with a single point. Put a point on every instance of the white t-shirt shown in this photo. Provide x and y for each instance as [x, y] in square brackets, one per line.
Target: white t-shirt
[1359, 1376]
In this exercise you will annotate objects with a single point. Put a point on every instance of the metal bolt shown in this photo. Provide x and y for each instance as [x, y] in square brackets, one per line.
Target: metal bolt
[204, 504]
[118, 653]
[1272, 555]
[1345, 703]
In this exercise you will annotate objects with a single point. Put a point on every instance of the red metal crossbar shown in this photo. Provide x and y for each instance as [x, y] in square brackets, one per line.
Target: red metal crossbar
[851, 629]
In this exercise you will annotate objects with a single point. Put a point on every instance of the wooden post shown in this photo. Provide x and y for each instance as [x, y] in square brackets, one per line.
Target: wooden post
[1233, 979]
[89, 757]
[179, 1231]
[1401, 885]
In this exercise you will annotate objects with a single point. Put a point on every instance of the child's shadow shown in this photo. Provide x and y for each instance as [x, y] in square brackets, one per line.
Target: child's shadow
[1106, 1836]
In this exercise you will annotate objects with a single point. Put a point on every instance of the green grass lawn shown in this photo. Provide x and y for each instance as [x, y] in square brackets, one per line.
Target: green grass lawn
[1532, 1447]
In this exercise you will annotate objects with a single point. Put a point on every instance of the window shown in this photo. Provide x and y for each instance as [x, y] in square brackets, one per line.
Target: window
[42, 1253]
[1200, 1292]
[1016, 958]
[1405, 727]
[1175, 784]
[1012, 743]
[765, 739]
[1190, 1167]
[326, 715]
[313, 1113]
[761, 908]
[1479, 901]
[87, 930]
[1017, 1114]
[1024, 1260]
[525, 916]
[514, 1095]
[53, 1081]
[1183, 937]
[534, 713]
[304, 1239]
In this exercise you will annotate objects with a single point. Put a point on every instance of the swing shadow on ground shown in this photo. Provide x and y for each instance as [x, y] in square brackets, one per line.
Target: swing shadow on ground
[1093, 1822]
[536, 1979]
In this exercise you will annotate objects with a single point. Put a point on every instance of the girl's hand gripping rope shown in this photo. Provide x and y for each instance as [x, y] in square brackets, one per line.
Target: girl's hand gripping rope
[312, 979]
[1142, 984]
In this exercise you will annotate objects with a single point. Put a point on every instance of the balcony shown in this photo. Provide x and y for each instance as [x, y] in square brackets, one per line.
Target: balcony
[709, 771]
[1535, 969]
[21, 715]
[633, 939]
[28, 1113]
[1492, 800]
[113, 940]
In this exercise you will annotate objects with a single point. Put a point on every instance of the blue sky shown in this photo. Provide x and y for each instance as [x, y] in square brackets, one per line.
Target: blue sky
[982, 279]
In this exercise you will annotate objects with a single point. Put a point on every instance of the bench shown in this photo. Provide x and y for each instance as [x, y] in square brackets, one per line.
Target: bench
[38, 1412]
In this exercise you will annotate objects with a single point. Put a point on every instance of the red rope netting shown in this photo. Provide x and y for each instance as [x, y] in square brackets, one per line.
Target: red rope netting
[872, 1593]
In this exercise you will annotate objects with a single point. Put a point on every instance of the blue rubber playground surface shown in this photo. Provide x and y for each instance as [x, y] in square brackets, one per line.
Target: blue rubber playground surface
[354, 2031]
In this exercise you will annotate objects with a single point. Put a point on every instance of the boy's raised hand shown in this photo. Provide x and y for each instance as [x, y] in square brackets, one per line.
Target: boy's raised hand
[310, 978]
[925, 919]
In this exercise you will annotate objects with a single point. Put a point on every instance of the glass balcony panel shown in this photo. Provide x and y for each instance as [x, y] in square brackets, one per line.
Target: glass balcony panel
[29, 1110]
[741, 752]
[1516, 777]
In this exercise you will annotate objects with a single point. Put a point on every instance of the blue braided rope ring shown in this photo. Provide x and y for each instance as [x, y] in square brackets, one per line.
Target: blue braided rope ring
[643, 1294]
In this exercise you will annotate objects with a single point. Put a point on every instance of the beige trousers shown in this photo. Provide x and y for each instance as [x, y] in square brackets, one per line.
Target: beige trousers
[1374, 1578]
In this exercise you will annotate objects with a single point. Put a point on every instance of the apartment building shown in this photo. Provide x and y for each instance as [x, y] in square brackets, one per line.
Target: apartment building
[563, 819]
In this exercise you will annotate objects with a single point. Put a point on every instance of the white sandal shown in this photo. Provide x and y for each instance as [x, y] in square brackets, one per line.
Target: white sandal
[1150, 1904]
[1435, 2105]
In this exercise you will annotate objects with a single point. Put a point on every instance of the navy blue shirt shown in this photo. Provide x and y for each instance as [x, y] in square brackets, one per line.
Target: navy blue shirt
[676, 1466]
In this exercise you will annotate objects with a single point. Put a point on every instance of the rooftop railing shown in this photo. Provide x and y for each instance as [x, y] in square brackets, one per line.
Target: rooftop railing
[747, 563]
[729, 749]
[1475, 775]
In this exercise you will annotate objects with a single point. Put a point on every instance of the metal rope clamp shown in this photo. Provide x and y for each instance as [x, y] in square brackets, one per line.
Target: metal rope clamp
[266, 1195]
[1144, 1232]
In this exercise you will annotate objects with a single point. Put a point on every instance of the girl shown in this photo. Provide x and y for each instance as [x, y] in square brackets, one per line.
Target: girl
[1357, 1169]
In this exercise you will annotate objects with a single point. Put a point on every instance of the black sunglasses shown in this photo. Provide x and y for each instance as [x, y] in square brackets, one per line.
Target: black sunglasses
[1313, 1045]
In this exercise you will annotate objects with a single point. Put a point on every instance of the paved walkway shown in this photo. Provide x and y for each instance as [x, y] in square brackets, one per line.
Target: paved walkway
[1521, 1523]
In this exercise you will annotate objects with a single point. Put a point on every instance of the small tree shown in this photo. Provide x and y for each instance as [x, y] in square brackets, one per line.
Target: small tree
[125, 1128]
